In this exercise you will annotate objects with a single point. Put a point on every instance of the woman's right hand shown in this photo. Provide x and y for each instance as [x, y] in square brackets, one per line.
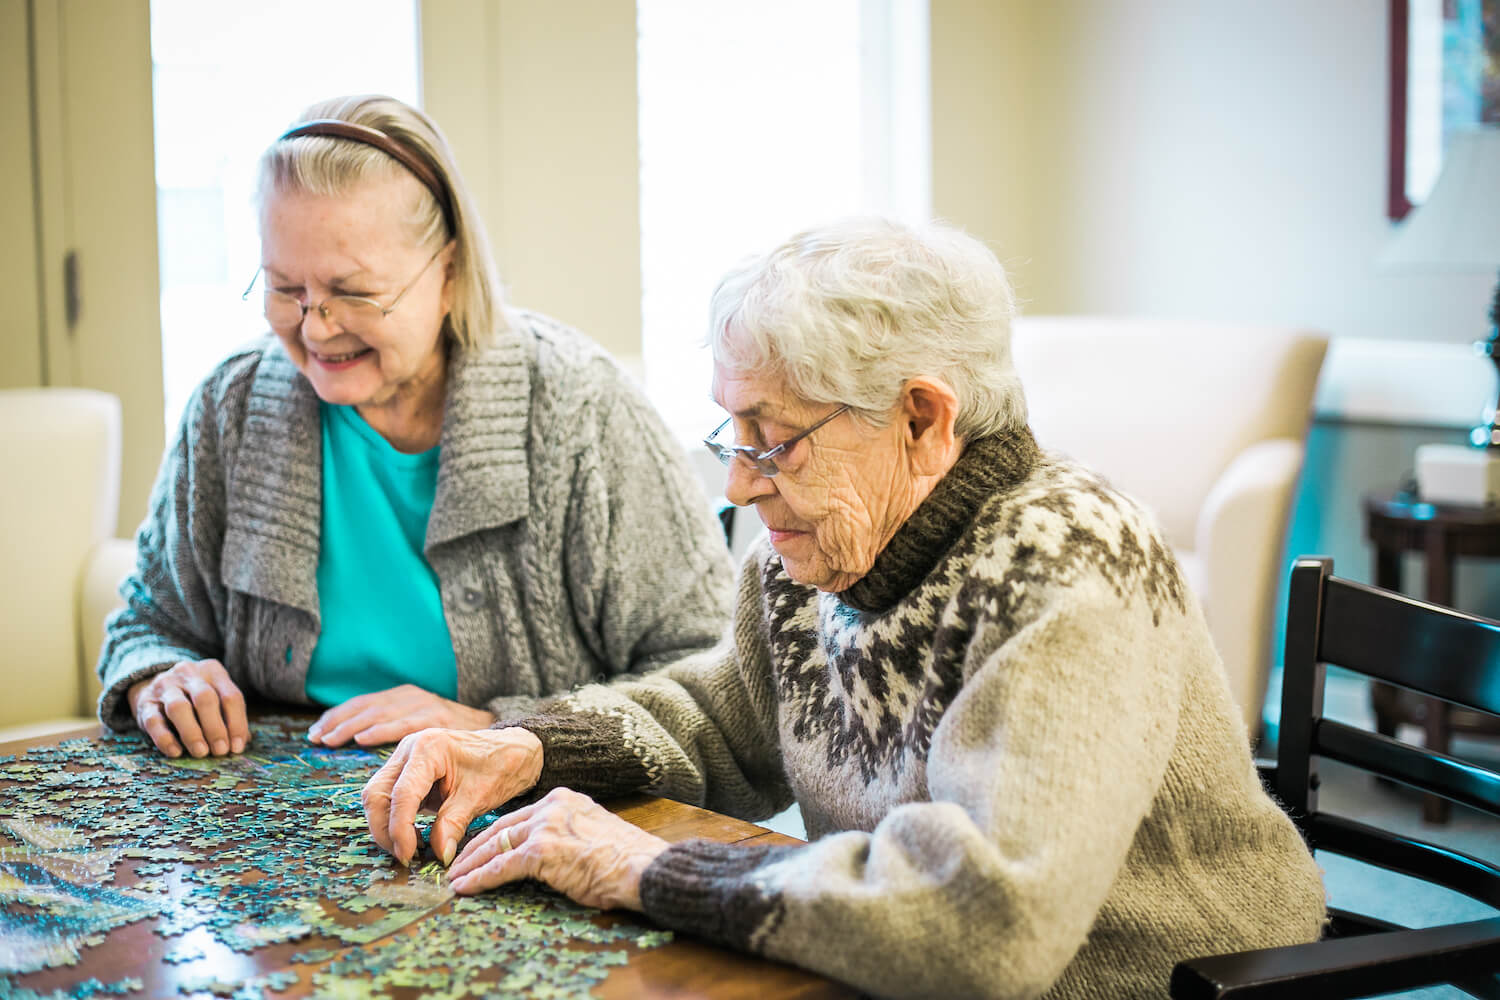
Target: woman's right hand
[459, 773]
[193, 704]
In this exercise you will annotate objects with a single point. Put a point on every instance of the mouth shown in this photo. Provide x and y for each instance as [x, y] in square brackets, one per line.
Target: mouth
[341, 360]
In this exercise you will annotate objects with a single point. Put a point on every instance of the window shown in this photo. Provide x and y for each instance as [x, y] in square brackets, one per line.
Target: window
[228, 78]
[757, 120]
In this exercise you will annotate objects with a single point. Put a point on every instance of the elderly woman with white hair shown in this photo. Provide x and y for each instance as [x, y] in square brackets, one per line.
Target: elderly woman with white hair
[974, 665]
[409, 504]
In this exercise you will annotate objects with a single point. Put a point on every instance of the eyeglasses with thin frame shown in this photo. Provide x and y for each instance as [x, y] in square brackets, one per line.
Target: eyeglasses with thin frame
[350, 313]
[764, 461]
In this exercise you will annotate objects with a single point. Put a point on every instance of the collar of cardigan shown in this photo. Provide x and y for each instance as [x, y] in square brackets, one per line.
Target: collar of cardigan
[987, 466]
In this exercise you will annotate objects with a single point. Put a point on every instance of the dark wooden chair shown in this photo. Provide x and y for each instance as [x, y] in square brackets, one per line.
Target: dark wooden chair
[1434, 651]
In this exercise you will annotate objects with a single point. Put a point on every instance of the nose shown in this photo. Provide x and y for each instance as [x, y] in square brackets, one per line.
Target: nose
[744, 484]
[329, 330]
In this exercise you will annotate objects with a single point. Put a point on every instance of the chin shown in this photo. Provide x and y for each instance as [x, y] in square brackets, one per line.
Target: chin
[817, 574]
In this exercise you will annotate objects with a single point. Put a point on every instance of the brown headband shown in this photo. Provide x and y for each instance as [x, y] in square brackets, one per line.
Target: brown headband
[336, 129]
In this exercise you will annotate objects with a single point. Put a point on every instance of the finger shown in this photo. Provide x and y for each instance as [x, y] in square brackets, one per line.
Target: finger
[206, 707]
[453, 819]
[154, 724]
[232, 704]
[344, 731]
[504, 835]
[411, 787]
[389, 731]
[337, 715]
[180, 712]
[503, 868]
[376, 797]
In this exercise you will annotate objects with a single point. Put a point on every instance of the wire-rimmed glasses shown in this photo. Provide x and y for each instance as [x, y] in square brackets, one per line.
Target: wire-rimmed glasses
[350, 313]
[764, 461]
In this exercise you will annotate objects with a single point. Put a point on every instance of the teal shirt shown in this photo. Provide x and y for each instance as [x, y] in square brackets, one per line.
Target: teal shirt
[381, 610]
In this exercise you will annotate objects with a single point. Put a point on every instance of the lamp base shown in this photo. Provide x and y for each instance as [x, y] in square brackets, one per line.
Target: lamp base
[1453, 473]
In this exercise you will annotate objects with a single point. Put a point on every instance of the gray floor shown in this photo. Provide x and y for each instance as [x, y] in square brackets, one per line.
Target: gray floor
[1355, 794]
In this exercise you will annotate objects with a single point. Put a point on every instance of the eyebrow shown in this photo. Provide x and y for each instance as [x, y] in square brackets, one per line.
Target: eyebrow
[748, 413]
[343, 279]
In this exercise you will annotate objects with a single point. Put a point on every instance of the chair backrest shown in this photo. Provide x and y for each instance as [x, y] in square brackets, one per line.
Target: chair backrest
[1161, 407]
[1394, 639]
[1435, 651]
[59, 498]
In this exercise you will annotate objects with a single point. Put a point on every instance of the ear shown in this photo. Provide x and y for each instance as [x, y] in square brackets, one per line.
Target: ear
[929, 408]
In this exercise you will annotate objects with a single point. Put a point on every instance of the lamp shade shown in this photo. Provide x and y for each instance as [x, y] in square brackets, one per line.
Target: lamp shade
[1458, 226]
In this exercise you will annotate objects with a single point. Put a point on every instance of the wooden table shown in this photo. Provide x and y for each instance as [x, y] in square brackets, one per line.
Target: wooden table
[1396, 523]
[680, 968]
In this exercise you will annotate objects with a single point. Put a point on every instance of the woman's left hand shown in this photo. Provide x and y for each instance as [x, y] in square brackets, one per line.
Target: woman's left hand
[568, 841]
[386, 716]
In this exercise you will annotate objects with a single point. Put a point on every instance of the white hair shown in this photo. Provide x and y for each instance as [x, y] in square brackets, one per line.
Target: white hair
[849, 312]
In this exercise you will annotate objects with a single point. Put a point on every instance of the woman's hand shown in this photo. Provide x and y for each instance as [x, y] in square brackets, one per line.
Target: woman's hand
[459, 774]
[568, 841]
[386, 716]
[193, 704]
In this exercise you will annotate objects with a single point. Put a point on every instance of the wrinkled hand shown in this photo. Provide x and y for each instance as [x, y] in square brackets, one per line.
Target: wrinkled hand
[386, 716]
[568, 841]
[193, 704]
[458, 774]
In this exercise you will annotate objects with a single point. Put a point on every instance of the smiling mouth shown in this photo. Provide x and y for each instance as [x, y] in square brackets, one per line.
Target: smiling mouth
[337, 359]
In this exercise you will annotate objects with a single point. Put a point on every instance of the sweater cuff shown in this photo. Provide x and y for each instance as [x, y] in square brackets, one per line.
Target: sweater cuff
[701, 887]
[589, 753]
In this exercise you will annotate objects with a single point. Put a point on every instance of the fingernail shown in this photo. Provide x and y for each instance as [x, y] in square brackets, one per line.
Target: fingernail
[220, 748]
[448, 853]
[237, 744]
[314, 733]
[199, 749]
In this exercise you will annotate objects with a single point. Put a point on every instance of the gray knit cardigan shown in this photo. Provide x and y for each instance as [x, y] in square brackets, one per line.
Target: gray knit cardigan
[1012, 742]
[570, 540]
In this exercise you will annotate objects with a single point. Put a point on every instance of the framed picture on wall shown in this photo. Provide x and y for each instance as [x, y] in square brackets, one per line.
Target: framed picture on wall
[1444, 75]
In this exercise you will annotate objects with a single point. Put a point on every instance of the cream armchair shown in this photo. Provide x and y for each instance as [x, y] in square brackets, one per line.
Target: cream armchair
[1205, 425]
[59, 498]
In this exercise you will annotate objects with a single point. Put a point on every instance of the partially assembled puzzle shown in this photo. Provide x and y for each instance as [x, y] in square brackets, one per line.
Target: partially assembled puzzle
[264, 853]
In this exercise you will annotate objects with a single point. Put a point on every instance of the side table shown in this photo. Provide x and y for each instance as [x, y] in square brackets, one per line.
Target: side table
[1399, 522]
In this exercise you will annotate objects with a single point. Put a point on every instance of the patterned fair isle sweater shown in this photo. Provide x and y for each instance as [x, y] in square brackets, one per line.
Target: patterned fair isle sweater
[1013, 745]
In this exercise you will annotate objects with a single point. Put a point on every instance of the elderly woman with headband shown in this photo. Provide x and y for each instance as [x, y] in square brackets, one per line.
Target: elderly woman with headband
[410, 504]
[974, 664]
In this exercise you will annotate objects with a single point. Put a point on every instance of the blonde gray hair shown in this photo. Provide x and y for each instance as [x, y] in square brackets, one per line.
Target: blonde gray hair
[849, 312]
[323, 165]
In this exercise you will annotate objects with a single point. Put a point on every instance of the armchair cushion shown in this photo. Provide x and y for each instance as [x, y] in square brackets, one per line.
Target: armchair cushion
[59, 500]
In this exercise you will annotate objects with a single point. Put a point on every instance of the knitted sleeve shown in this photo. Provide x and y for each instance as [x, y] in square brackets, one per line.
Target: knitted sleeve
[701, 730]
[174, 600]
[1039, 774]
[648, 571]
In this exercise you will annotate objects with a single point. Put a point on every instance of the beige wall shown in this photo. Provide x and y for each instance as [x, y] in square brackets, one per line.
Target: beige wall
[21, 329]
[1168, 157]
[1177, 157]
[85, 163]
[539, 100]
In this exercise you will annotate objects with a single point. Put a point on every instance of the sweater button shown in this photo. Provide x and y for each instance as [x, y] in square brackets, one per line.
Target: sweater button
[473, 598]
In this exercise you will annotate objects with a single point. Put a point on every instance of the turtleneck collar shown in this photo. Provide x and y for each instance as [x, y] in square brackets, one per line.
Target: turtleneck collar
[987, 466]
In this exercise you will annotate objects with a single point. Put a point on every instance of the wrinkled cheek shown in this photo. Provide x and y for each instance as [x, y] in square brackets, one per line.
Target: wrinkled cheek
[841, 545]
[294, 348]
